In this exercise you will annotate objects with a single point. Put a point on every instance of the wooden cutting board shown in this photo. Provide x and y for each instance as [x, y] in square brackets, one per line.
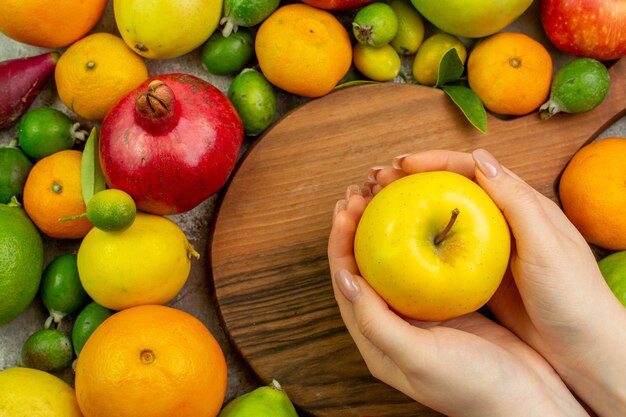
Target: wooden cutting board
[268, 250]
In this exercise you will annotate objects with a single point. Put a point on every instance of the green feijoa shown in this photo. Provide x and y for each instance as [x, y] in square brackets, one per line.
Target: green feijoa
[255, 101]
[375, 24]
[61, 290]
[45, 130]
[245, 13]
[228, 55]
[47, 350]
[14, 168]
[579, 86]
[86, 322]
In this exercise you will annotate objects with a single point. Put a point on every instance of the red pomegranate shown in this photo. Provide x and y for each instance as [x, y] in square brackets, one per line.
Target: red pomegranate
[171, 143]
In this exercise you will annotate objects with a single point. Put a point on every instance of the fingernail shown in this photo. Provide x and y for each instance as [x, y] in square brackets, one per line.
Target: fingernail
[397, 161]
[373, 171]
[366, 189]
[347, 284]
[486, 163]
[352, 190]
[340, 206]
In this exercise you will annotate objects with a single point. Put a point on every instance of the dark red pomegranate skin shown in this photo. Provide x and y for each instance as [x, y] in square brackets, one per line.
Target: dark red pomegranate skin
[171, 143]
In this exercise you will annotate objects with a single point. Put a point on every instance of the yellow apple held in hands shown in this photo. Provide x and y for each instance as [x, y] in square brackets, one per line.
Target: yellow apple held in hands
[433, 245]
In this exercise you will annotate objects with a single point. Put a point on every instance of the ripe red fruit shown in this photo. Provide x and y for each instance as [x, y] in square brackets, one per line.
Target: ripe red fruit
[171, 143]
[21, 79]
[586, 28]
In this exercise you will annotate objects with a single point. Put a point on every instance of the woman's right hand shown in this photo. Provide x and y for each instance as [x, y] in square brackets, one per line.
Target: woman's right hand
[555, 298]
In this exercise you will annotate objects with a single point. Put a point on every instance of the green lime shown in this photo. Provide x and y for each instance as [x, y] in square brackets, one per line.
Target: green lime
[579, 86]
[86, 322]
[44, 131]
[613, 268]
[47, 350]
[111, 210]
[375, 24]
[410, 28]
[14, 168]
[378, 64]
[246, 13]
[255, 101]
[21, 261]
[431, 52]
[228, 55]
[61, 290]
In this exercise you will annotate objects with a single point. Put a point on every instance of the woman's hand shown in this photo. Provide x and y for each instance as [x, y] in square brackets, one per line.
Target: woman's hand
[555, 299]
[468, 366]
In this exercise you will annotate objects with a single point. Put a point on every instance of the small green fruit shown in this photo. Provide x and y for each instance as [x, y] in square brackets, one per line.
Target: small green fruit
[228, 55]
[375, 24]
[61, 290]
[245, 13]
[255, 101]
[45, 130]
[86, 322]
[47, 350]
[111, 210]
[14, 168]
[268, 401]
[613, 268]
[579, 86]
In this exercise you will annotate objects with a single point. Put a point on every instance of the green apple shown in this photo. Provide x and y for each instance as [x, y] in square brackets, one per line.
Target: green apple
[613, 268]
[433, 245]
[471, 18]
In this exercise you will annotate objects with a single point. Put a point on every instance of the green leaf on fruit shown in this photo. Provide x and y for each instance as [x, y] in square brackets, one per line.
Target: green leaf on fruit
[91, 176]
[470, 104]
[353, 83]
[450, 68]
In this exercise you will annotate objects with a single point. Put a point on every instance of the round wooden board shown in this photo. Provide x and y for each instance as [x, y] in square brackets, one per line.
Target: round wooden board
[268, 249]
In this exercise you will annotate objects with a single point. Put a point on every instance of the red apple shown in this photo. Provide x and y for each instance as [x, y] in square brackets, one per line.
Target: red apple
[586, 28]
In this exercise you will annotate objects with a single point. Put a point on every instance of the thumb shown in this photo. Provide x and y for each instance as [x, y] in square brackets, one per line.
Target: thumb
[523, 207]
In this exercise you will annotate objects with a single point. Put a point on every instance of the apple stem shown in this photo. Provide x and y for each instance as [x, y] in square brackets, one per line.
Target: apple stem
[442, 235]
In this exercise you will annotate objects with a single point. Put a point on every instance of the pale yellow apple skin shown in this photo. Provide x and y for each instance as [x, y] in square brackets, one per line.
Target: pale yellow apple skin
[160, 29]
[471, 18]
[395, 251]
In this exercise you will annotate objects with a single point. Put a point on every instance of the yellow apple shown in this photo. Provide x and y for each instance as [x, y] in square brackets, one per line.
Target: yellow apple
[471, 18]
[426, 262]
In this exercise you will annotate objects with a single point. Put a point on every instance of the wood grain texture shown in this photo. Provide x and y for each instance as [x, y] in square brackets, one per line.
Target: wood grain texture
[268, 250]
